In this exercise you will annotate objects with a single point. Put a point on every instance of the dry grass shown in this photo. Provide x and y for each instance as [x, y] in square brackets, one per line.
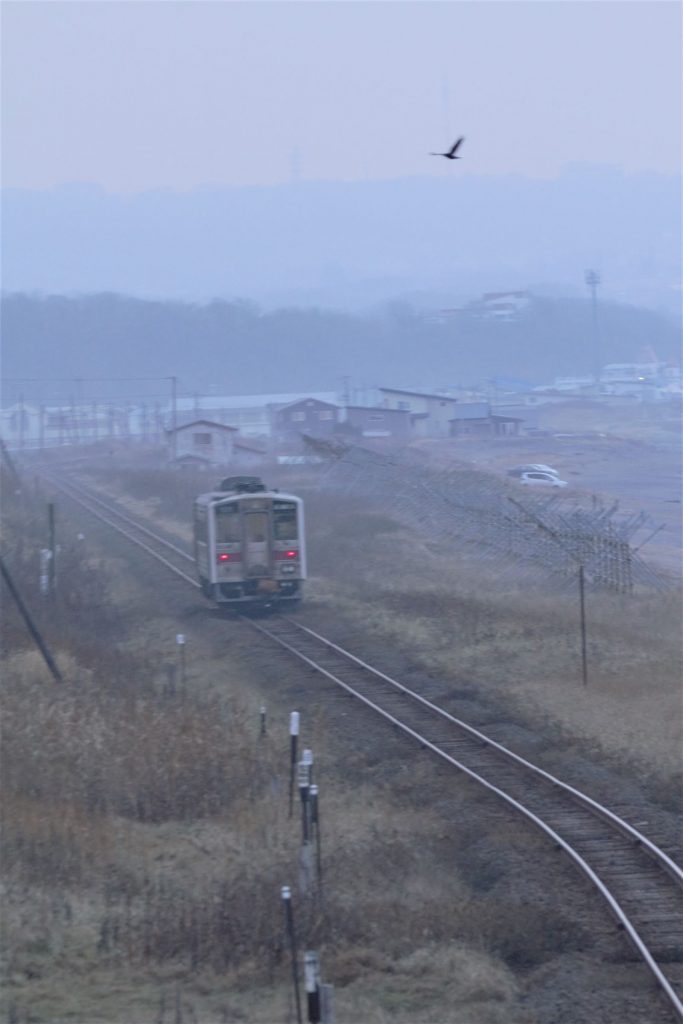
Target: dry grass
[146, 833]
[521, 641]
[150, 837]
[463, 622]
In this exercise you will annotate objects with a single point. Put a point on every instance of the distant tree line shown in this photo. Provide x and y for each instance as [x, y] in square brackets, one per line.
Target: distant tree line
[237, 348]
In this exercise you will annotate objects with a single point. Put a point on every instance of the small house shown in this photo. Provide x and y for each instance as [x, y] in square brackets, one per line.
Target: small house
[308, 416]
[475, 419]
[201, 442]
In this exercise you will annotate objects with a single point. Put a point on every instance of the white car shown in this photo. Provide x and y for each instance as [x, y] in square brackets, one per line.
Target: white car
[539, 479]
[534, 467]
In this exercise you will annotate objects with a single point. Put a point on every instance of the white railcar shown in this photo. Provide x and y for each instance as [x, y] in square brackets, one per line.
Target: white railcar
[249, 544]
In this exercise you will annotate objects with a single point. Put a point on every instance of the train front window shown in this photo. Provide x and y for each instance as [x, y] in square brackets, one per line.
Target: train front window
[284, 524]
[257, 527]
[228, 529]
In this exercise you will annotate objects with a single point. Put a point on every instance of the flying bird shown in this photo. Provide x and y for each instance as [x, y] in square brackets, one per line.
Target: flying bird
[452, 152]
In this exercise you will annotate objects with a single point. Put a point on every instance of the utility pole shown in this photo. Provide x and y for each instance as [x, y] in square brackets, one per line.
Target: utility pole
[581, 578]
[52, 566]
[174, 417]
[21, 421]
[592, 279]
[30, 624]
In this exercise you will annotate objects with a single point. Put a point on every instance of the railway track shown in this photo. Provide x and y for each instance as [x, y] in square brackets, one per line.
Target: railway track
[641, 885]
[175, 558]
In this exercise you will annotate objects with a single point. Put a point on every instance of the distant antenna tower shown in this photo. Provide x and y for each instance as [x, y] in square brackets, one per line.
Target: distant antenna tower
[592, 279]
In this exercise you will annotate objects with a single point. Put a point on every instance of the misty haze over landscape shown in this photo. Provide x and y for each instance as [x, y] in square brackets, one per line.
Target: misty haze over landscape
[351, 245]
[367, 313]
[291, 227]
[234, 348]
[267, 288]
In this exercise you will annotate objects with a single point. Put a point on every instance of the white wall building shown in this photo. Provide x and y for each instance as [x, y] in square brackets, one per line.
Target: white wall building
[430, 414]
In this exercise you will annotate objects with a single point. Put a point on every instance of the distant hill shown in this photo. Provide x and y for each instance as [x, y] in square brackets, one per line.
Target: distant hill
[235, 348]
[354, 244]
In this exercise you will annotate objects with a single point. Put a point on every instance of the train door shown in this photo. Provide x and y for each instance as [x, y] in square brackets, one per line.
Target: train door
[201, 541]
[256, 543]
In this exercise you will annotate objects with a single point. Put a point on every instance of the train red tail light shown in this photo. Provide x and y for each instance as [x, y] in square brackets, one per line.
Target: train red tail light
[232, 556]
[292, 553]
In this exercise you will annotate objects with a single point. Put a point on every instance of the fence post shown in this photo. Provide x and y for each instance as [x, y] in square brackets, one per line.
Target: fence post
[312, 981]
[293, 748]
[327, 1003]
[180, 641]
[582, 605]
[304, 787]
[315, 825]
[305, 859]
[286, 894]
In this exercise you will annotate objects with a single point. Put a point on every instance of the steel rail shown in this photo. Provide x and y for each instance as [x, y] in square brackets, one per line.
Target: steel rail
[125, 533]
[664, 861]
[595, 808]
[616, 908]
[88, 493]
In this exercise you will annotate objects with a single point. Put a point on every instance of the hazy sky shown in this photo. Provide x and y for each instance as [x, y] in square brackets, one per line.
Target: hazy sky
[149, 93]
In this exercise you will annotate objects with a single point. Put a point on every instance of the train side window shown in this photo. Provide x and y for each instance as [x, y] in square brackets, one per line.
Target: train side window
[200, 530]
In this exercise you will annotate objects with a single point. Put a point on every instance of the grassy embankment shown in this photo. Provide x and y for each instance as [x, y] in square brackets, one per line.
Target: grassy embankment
[145, 837]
